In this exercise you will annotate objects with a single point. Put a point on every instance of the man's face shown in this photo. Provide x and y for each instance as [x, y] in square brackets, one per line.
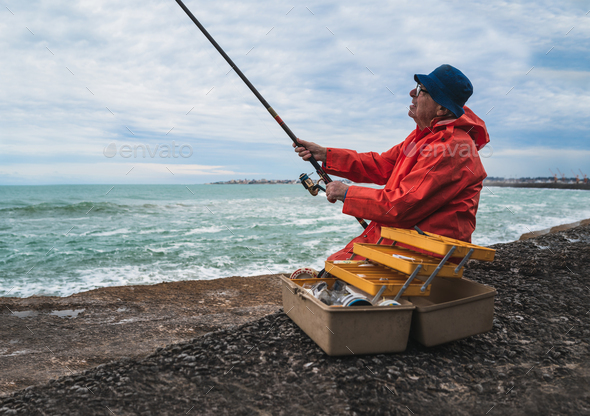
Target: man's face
[423, 108]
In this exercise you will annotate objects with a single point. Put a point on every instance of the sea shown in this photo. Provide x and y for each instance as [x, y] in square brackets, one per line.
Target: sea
[63, 239]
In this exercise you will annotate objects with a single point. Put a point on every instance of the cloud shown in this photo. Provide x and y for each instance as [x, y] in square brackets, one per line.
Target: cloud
[78, 76]
[536, 161]
[112, 173]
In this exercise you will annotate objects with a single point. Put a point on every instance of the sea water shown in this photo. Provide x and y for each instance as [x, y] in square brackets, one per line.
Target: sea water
[59, 240]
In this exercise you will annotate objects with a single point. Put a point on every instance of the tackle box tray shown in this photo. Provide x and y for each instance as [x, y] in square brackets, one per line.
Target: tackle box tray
[455, 309]
[366, 276]
[389, 256]
[437, 244]
[349, 330]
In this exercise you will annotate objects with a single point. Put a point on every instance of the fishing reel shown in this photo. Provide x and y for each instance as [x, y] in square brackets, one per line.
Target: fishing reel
[308, 184]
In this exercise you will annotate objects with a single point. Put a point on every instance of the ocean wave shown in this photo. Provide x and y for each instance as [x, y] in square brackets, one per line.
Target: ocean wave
[106, 233]
[58, 209]
[156, 231]
[206, 230]
[151, 237]
[89, 279]
[332, 229]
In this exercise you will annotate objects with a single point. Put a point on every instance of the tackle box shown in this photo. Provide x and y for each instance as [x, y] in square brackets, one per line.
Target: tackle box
[455, 309]
[405, 260]
[350, 330]
[371, 277]
[440, 305]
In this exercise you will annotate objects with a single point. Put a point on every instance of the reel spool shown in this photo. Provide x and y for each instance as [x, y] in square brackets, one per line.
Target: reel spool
[308, 184]
[304, 273]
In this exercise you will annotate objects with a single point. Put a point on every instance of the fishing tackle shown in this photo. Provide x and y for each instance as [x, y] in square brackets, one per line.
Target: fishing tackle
[308, 184]
[322, 174]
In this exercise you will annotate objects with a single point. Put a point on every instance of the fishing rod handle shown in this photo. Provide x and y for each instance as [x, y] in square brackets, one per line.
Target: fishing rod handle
[318, 168]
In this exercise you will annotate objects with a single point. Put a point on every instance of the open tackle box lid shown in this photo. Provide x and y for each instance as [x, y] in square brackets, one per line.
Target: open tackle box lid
[438, 244]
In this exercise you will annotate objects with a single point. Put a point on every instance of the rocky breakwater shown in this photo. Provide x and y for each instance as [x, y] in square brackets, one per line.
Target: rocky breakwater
[536, 359]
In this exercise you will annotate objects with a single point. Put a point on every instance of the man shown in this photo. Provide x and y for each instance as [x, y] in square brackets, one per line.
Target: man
[432, 179]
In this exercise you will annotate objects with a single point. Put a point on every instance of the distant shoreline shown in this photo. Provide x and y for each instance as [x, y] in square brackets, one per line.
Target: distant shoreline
[263, 182]
[547, 185]
[256, 182]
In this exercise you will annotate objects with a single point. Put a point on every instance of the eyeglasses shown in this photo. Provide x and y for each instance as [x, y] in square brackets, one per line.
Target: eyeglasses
[419, 89]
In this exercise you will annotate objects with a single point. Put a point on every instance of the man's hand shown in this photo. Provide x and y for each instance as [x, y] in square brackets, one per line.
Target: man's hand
[309, 149]
[335, 191]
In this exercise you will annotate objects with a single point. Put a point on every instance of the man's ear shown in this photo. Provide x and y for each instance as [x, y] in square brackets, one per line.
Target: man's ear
[443, 112]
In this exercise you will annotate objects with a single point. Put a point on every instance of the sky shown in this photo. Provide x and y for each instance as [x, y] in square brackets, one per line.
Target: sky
[106, 91]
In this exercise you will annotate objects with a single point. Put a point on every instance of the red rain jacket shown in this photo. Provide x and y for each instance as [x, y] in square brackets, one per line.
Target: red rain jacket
[432, 180]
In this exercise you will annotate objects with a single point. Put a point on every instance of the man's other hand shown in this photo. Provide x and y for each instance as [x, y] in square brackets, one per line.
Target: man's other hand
[307, 149]
[335, 191]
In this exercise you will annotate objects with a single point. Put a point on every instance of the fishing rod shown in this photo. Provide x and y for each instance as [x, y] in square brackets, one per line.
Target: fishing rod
[305, 180]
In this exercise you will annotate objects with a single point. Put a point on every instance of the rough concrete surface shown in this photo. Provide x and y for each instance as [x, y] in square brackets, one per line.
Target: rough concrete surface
[119, 322]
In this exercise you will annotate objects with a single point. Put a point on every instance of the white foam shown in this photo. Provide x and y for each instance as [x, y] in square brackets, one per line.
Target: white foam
[157, 231]
[205, 230]
[106, 233]
[327, 229]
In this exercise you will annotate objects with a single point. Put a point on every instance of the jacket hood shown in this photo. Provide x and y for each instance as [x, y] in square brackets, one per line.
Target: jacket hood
[470, 123]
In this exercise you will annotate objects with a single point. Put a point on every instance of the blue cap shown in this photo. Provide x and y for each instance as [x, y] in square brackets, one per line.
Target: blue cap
[448, 87]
